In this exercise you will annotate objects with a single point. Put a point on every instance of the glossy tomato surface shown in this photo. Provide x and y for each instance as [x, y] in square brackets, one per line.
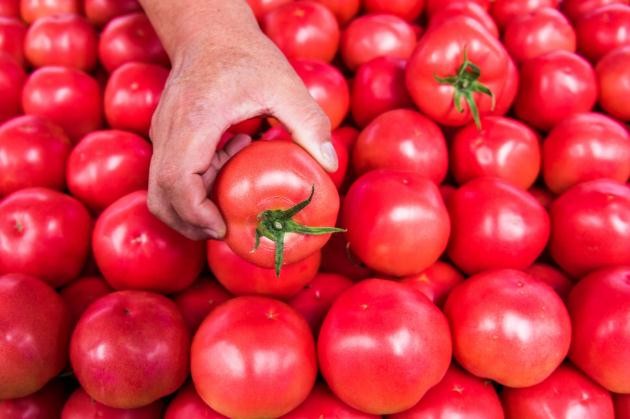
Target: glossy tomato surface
[12, 78]
[613, 82]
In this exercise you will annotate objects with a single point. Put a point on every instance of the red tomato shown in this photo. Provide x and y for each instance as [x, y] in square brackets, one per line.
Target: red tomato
[253, 357]
[132, 94]
[10, 8]
[451, 51]
[467, 8]
[371, 36]
[574, 9]
[378, 86]
[565, 393]
[261, 7]
[80, 406]
[613, 79]
[590, 227]
[405, 9]
[458, 395]
[242, 277]
[44, 404]
[600, 307]
[32, 10]
[508, 326]
[503, 11]
[397, 222]
[603, 30]
[346, 135]
[67, 96]
[622, 405]
[344, 10]
[495, 225]
[543, 195]
[554, 86]
[99, 12]
[67, 40]
[435, 282]
[434, 6]
[402, 139]
[135, 250]
[321, 403]
[34, 335]
[382, 346]
[327, 86]
[107, 165]
[256, 191]
[540, 31]
[199, 299]
[43, 233]
[188, 405]
[553, 277]
[585, 147]
[130, 38]
[12, 78]
[12, 34]
[80, 293]
[338, 258]
[304, 29]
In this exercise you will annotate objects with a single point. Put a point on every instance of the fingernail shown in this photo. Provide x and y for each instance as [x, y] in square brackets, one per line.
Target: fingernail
[330, 155]
[212, 233]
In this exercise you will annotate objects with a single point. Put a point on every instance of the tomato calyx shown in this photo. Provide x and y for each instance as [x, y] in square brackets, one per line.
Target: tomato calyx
[274, 224]
[465, 82]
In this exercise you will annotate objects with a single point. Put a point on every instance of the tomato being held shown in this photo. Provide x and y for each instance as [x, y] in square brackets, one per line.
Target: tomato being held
[12, 78]
[613, 80]
[603, 30]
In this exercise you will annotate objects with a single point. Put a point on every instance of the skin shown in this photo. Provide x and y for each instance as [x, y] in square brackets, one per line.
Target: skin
[224, 71]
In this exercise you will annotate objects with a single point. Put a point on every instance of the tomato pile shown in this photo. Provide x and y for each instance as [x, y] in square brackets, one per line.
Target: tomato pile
[470, 258]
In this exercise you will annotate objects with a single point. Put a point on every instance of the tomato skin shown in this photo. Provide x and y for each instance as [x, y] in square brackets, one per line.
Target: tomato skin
[253, 357]
[78, 110]
[405, 9]
[397, 223]
[495, 225]
[82, 292]
[199, 299]
[43, 404]
[600, 308]
[80, 405]
[338, 258]
[371, 36]
[261, 7]
[321, 403]
[99, 12]
[130, 38]
[434, 6]
[508, 326]
[553, 277]
[135, 250]
[187, 405]
[503, 147]
[613, 80]
[304, 29]
[12, 78]
[435, 282]
[602, 30]
[554, 86]
[622, 405]
[43, 233]
[344, 10]
[468, 8]
[382, 346]
[574, 9]
[12, 35]
[10, 8]
[404, 140]
[107, 165]
[32, 10]
[503, 11]
[458, 395]
[589, 227]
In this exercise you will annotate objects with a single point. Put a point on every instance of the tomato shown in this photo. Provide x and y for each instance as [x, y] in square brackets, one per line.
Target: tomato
[590, 227]
[585, 147]
[188, 405]
[435, 282]
[132, 94]
[503, 11]
[321, 403]
[540, 31]
[344, 10]
[12, 78]
[68, 97]
[405, 9]
[458, 395]
[468, 8]
[65, 39]
[99, 12]
[553, 277]
[613, 80]
[80, 406]
[600, 308]
[12, 35]
[346, 135]
[32, 10]
[327, 86]
[304, 29]
[397, 223]
[574, 9]
[543, 195]
[10, 8]
[622, 405]
[402, 139]
[554, 86]
[44, 404]
[107, 165]
[495, 225]
[602, 30]
[440, 73]
[503, 147]
[338, 258]
[82, 292]
[382, 346]
[261, 7]
[135, 250]
[508, 326]
[43, 233]
[434, 6]
[253, 357]
[371, 36]
[130, 38]
[199, 299]
[34, 335]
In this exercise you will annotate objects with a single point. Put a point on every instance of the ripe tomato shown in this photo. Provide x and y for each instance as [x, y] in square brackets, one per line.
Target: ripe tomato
[382, 346]
[107, 165]
[590, 227]
[554, 86]
[43, 404]
[508, 326]
[34, 335]
[622, 405]
[130, 38]
[602, 30]
[405, 9]
[43, 233]
[12, 34]
[553, 277]
[434, 6]
[12, 78]
[188, 405]
[467, 8]
[32, 10]
[321, 403]
[402, 139]
[371, 36]
[574, 9]
[132, 94]
[600, 307]
[99, 12]
[135, 250]
[68, 97]
[82, 292]
[397, 223]
[344, 10]
[80, 406]
[613, 80]
[338, 258]
[503, 11]
[435, 282]
[503, 147]
[253, 357]
[304, 29]
[199, 299]
[10, 8]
